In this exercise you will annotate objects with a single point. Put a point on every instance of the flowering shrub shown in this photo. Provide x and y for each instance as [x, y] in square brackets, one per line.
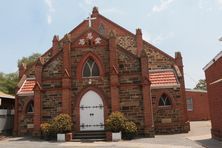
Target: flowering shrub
[62, 123]
[129, 130]
[45, 129]
[115, 122]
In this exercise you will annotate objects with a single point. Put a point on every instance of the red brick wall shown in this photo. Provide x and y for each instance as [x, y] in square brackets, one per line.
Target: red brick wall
[213, 73]
[200, 106]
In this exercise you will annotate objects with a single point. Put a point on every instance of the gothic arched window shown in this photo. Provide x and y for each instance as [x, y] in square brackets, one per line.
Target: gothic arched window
[30, 107]
[164, 100]
[90, 69]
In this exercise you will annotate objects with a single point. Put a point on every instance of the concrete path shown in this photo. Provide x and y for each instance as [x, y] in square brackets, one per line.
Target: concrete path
[198, 137]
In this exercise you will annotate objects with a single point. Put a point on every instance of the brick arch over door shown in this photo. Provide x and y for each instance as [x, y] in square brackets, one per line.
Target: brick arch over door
[81, 64]
[79, 97]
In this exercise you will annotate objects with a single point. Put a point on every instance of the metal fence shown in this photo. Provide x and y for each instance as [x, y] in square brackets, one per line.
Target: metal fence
[6, 120]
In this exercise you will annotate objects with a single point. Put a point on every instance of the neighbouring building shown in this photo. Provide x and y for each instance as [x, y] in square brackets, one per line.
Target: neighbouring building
[97, 68]
[213, 73]
[7, 104]
[197, 105]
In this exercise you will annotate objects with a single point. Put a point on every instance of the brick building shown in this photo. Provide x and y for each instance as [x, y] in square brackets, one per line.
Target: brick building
[197, 105]
[213, 73]
[97, 68]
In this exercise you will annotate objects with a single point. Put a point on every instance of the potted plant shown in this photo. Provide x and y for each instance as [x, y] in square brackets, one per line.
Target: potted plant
[114, 123]
[62, 125]
[129, 130]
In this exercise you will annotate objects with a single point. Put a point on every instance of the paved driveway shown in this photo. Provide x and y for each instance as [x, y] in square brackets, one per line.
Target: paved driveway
[198, 137]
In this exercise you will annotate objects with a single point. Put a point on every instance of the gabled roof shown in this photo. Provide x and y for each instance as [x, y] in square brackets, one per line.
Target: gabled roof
[218, 56]
[27, 87]
[4, 95]
[163, 78]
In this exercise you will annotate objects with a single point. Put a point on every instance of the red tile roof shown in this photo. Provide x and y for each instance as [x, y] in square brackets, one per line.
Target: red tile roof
[27, 87]
[163, 78]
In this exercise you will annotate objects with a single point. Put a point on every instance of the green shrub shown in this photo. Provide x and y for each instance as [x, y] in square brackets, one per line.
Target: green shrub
[115, 122]
[129, 130]
[62, 124]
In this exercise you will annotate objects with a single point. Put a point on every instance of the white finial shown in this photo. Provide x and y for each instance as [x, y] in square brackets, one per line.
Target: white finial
[90, 20]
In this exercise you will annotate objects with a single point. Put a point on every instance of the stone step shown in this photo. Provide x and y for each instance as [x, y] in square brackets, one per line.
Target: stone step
[90, 135]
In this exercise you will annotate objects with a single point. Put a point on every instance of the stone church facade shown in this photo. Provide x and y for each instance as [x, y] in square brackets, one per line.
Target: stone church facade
[98, 68]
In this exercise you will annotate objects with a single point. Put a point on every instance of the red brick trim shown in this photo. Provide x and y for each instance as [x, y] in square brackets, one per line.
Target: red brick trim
[79, 97]
[173, 103]
[84, 59]
[24, 111]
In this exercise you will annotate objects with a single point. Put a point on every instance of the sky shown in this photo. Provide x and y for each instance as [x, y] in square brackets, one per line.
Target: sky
[192, 27]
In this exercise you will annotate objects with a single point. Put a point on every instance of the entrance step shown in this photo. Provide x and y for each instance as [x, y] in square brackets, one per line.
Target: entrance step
[90, 136]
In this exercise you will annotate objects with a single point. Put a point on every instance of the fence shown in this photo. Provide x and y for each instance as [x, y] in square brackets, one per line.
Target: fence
[6, 120]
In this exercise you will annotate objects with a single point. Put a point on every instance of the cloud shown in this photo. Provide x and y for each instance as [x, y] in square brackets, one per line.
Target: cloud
[50, 11]
[205, 5]
[111, 11]
[88, 2]
[158, 38]
[164, 4]
[220, 3]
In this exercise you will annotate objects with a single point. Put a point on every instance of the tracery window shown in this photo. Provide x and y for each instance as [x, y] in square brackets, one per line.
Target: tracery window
[90, 69]
[164, 100]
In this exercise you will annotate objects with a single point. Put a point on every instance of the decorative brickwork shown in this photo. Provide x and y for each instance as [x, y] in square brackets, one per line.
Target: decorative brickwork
[123, 60]
[168, 119]
[25, 119]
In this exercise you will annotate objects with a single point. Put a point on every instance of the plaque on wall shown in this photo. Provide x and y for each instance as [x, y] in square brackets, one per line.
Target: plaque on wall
[30, 125]
[166, 120]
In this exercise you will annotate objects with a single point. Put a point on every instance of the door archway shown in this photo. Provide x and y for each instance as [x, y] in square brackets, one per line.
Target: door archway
[91, 112]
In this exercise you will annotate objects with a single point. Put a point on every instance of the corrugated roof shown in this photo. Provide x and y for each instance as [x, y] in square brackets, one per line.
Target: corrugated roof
[27, 87]
[4, 95]
[163, 78]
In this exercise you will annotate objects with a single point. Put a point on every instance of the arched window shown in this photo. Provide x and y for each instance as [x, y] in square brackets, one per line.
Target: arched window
[102, 29]
[30, 107]
[90, 69]
[164, 100]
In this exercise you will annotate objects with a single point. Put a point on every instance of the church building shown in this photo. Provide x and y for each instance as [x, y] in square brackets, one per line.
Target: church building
[97, 68]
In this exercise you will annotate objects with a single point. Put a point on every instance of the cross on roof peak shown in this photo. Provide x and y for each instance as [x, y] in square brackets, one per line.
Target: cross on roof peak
[90, 20]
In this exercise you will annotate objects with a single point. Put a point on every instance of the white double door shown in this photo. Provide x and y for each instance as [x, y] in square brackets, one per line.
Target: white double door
[91, 112]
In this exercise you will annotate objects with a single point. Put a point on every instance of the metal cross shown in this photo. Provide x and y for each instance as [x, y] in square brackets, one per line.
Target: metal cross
[90, 20]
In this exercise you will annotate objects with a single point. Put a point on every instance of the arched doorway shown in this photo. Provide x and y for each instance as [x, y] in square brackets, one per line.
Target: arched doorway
[91, 112]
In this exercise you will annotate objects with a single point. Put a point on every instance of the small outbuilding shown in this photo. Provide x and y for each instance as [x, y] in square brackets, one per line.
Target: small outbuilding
[197, 105]
[7, 104]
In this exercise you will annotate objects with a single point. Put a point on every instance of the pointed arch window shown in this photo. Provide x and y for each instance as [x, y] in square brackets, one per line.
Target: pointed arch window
[164, 100]
[30, 107]
[90, 69]
[102, 29]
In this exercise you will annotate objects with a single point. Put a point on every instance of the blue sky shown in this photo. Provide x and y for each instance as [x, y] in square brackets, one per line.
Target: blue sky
[190, 26]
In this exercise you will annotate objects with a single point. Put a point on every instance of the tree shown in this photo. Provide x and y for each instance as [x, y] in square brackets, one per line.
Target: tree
[201, 85]
[9, 81]
[30, 59]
